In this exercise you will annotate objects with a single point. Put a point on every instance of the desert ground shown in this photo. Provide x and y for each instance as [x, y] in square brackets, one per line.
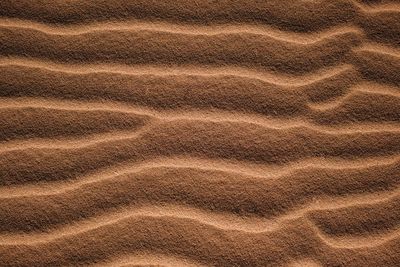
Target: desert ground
[200, 133]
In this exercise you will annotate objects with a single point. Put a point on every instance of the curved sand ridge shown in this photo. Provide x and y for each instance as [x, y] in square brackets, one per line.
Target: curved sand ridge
[240, 141]
[200, 133]
[295, 15]
[260, 52]
[135, 234]
[216, 190]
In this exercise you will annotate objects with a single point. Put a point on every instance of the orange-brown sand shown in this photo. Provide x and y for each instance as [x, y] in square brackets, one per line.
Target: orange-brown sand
[200, 133]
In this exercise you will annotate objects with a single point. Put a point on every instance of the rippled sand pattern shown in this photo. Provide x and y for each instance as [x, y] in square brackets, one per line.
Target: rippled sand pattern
[200, 133]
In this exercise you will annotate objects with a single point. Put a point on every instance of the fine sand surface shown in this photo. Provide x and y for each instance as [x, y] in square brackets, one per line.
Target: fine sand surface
[200, 133]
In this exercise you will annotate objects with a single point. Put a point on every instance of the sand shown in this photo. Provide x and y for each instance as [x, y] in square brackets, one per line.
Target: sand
[200, 133]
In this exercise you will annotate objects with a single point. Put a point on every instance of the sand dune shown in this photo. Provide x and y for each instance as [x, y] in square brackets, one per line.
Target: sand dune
[200, 133]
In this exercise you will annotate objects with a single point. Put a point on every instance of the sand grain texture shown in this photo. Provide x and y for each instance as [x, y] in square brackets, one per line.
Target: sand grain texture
[200, 133]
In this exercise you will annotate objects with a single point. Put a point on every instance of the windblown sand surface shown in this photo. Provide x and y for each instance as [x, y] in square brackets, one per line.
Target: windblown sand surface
[200, 133]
